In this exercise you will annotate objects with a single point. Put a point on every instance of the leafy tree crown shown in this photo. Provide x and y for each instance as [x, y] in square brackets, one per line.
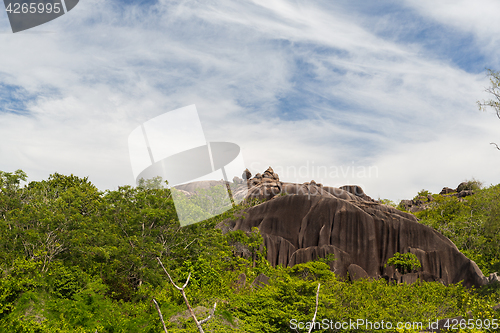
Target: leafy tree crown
[404, 262]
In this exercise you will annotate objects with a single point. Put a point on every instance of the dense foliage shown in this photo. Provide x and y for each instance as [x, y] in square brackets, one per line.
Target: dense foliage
[75, 259]
[472, 223]
[404, 262]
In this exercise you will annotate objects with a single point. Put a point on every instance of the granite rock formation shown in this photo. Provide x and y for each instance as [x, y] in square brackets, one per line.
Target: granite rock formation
[423, 202]
[302, 222]
[463, 190]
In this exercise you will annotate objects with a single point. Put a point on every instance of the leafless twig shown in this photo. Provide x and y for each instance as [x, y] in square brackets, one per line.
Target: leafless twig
[316, 311]
[159, 313]
[181, 289]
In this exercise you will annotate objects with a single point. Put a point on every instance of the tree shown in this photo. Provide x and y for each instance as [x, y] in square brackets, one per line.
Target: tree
[181, 289]
[404, 263]
[12, 180]
[152, 183]
[494, 90]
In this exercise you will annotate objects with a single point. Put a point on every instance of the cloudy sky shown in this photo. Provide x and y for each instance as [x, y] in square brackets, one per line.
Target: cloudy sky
[380, 94]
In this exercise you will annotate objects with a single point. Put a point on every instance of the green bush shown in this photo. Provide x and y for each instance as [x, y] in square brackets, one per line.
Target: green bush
[471, 185]
[74, 259]
[404, 263]
[471, 223]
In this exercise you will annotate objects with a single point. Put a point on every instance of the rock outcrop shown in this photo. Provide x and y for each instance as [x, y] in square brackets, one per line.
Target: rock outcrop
[463, 189]
[420, 203]
[302, 222]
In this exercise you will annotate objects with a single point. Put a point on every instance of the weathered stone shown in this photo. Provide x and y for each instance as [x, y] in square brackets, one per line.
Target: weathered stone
[463, 186]
[199, 311]
[356, 272]
[241, 281]
[269, 173]
[354, 189]
[237, 180]
[465, 193]
[203, 185]
[493, 278]
[313, 221]
[246, 174]
[409, 278]
[406, 204]
[260, 281]
[447, 190]
[338, 266]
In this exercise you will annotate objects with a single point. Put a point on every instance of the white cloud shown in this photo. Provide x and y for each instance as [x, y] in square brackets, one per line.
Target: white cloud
[479, 18]
[356, 99]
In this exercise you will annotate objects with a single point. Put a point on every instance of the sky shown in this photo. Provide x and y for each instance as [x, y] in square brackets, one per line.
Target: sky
[378, 94]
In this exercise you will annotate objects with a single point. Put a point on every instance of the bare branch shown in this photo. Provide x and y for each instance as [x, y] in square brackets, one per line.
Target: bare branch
[210, 315]
[315, 312]
[198, 324]
[159, 313]
[494, 90]
[492, 143]
[176, 286]
[190, 243]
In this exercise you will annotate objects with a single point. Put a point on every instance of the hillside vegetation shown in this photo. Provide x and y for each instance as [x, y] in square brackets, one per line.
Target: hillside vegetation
[75, 259]
[472, 223]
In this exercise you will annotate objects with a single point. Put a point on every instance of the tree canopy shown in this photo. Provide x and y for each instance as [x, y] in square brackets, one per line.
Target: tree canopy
[74, 259]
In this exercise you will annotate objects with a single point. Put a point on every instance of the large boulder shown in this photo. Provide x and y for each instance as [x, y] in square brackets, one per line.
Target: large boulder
[307, 221]
[356, 272]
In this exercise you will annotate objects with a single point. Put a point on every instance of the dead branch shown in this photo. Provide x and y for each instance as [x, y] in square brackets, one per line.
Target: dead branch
[492, 143]
[316, 311]
[181, 289]
[209, 316]
[159, 313]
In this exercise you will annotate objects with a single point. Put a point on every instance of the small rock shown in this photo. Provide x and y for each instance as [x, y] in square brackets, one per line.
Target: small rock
[446, 190]
[493, 278]
[356, 272]
[463, 186]
[246, 174]
[241, 281]
[260, 281]
[465, 193]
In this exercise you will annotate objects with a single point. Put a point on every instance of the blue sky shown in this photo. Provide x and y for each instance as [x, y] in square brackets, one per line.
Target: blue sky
[382, 94]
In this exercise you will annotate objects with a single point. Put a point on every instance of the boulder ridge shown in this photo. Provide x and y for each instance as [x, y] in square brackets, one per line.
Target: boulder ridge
[303, 222]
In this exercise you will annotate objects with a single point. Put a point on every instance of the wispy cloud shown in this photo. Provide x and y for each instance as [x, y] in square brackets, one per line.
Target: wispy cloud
[291, 82]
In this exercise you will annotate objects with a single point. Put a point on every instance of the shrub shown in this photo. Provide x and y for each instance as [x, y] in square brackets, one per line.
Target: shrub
[471, 185]
[404, 263]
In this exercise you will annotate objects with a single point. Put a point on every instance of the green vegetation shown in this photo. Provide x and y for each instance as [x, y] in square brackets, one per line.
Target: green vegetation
[387, 202]
[470, 185]
[472, 223]
[422, 194]
[404, 263]
[75, 259]
[494, 90]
